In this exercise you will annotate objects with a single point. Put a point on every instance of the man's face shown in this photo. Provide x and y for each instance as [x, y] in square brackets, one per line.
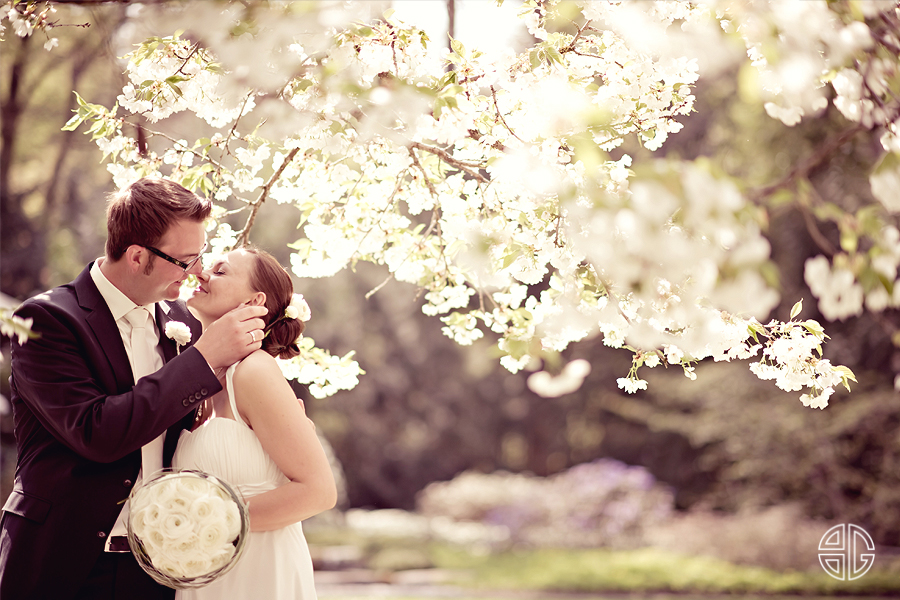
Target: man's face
[162, 280]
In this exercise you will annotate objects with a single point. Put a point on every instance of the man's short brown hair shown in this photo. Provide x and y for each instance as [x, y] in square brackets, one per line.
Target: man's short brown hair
[142, 212]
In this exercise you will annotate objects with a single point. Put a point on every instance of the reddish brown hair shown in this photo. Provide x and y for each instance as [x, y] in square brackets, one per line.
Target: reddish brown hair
[269, 277]
[142, 212]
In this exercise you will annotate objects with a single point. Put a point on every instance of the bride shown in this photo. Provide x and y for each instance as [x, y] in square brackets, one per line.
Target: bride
[255, 435]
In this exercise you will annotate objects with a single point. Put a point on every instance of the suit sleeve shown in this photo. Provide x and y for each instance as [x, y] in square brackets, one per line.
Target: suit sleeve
[68, 382]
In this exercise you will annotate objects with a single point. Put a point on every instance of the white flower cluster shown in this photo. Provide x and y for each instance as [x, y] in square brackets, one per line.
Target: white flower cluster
[790, 355]
[813, 42]
[14, 326]
[172, 75]
[793, 368]
[325, 373]
[567, 381]
[187, 524]
[839, 285]
[26, 18]
[488, 185]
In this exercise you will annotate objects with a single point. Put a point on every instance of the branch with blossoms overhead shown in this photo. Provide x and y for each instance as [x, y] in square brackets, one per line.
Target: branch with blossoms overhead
[791, 355]
[485, 178]
[26, 18]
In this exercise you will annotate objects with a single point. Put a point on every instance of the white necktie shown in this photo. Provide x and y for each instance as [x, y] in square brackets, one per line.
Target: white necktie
[144, 362]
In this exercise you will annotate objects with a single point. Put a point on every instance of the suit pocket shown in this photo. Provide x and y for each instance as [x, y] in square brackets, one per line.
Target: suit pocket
[27, 505]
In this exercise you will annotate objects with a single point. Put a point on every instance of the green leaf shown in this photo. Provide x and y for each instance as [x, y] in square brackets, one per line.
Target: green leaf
[301, 247]
[73, 123]
[458, 47]
[175, 89]
[797, 308]
[846, 376]
[555, 55]
[439, 105]
[814, 327]
[849, 240]
[510, 257]
[846, 372]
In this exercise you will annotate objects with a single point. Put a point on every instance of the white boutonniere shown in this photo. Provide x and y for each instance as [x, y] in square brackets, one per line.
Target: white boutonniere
[298, 309]
[179, 332]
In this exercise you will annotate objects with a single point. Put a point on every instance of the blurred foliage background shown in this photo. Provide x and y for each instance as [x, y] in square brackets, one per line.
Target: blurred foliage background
[428, 409]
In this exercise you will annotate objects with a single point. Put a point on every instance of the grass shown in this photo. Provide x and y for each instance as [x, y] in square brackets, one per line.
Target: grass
[647, 571]
[599, 572]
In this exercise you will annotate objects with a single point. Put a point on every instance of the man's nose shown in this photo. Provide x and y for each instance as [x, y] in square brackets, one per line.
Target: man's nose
[196, 269]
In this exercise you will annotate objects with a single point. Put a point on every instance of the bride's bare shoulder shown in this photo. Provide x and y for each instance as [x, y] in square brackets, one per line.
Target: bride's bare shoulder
[257, 364]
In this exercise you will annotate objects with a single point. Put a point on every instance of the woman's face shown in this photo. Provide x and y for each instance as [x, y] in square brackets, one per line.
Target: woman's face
[224, 286]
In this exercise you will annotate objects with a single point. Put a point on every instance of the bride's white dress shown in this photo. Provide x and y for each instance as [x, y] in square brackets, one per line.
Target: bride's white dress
[275, 565]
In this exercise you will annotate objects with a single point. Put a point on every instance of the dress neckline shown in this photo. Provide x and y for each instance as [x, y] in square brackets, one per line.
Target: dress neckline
[208, 421]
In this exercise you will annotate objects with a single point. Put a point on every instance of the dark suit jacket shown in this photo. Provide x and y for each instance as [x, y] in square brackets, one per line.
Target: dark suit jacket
[80, 422]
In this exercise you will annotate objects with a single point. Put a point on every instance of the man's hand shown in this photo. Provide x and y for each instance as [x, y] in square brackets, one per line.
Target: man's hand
[233, 336]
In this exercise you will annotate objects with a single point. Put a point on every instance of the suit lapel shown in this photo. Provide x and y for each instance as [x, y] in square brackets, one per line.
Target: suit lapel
[100, 320]
[165, 313]
[169, 349]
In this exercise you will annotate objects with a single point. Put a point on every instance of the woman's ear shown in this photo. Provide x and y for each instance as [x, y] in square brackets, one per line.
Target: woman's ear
[258, 299]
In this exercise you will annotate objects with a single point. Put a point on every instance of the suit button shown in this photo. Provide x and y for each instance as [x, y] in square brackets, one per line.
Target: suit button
[186, 402]
[126, 483]
[204, 392]
[101, 534]
[197, 396]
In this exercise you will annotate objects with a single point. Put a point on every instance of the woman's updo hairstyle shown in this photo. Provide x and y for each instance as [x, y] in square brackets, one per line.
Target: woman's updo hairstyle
[269, 277]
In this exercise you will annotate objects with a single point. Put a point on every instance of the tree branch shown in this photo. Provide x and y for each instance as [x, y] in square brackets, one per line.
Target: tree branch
[244, 235]
[500, 115]
[571, 45]
[466, 167]
[807, 166]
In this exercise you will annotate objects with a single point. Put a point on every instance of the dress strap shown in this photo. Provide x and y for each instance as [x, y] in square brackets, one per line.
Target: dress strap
[229, 385]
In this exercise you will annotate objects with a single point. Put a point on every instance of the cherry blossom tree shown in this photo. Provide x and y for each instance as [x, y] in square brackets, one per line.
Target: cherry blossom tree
[487, 179]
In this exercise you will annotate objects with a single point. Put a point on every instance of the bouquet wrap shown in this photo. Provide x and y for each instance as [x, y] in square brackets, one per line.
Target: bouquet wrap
[187, 528]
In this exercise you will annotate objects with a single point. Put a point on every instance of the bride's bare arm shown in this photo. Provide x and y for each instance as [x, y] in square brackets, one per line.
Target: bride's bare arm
[267, 403]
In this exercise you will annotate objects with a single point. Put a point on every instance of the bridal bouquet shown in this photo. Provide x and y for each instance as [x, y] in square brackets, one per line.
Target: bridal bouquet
[187, 528]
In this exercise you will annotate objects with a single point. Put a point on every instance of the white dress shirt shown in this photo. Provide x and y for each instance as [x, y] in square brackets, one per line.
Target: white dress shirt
[120, 305]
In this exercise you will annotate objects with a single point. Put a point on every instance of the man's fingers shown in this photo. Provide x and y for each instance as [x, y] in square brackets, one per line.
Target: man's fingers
[245, 312]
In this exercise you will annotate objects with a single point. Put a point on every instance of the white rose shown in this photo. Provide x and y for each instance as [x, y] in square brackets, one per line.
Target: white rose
[196, 566]
[298, 309]
[184, 547]
[178, 331]
[144, 518]
[213, 537]
[175, 526]
[192, 487]
[206, 508]
[163, 491]
[154, 541]
[167, 564]
[221, 558]
[232, 520]
[176, 504]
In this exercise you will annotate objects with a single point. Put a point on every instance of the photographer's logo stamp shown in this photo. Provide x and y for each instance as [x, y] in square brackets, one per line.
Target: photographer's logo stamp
[846, 552]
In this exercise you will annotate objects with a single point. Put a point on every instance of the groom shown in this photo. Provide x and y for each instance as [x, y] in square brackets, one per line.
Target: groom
[84, 423]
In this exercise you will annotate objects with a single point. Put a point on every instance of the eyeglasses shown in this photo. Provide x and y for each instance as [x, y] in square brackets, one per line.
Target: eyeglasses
[178, 263]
